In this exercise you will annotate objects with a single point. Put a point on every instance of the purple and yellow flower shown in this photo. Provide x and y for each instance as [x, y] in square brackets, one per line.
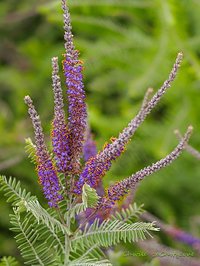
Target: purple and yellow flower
[46, 172]
[120, 189]
[77, 113]
[59, 126]
[72, 141]
[96, 167]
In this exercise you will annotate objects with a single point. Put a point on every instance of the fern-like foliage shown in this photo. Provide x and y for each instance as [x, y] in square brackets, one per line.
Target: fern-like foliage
[111, 232]
[24, 201]
[8, 261]
[13, 191]
[43, 216]
[92, 252]
[56, 229]
[127, 214]
[35, 243]
[88, 255]
[41, 234]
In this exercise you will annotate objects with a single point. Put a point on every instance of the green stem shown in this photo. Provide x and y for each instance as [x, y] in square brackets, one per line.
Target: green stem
[67, 239]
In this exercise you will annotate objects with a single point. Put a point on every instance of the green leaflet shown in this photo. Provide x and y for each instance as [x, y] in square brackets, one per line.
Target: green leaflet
[89, 196]
[8, 261]
[89, 200]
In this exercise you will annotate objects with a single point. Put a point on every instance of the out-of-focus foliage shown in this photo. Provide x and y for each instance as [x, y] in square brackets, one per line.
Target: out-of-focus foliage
[127, 46]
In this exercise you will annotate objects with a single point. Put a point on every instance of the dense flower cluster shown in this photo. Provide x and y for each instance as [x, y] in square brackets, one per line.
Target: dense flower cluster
[119, 190]
[96, 168]
[59, 127]
[76, 110]
[46, 171]
[77, 113]
[71, 139]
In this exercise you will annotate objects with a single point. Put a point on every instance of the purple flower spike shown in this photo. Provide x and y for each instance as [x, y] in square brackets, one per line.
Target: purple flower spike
[120, 189]
[49, 181]
[146, 108]
[46, 172]
[97, 167]
[59, 127]
[174, 232]
[183, 237]
[68, 37]
[77, 114]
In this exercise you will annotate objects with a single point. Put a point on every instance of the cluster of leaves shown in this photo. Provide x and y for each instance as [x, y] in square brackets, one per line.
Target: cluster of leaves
[45, 238]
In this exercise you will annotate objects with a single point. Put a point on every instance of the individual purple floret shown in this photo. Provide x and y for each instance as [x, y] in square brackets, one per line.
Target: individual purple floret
[96, 168]
[77, 114]
[47, 175]
[59, 127]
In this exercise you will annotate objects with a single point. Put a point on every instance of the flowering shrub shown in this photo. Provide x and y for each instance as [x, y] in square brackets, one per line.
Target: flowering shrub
[82, 217]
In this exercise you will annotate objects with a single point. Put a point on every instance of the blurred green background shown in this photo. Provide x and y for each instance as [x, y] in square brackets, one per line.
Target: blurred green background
[127, 46]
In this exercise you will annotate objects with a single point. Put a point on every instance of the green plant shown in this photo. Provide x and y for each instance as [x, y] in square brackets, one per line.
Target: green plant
[81, 219]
